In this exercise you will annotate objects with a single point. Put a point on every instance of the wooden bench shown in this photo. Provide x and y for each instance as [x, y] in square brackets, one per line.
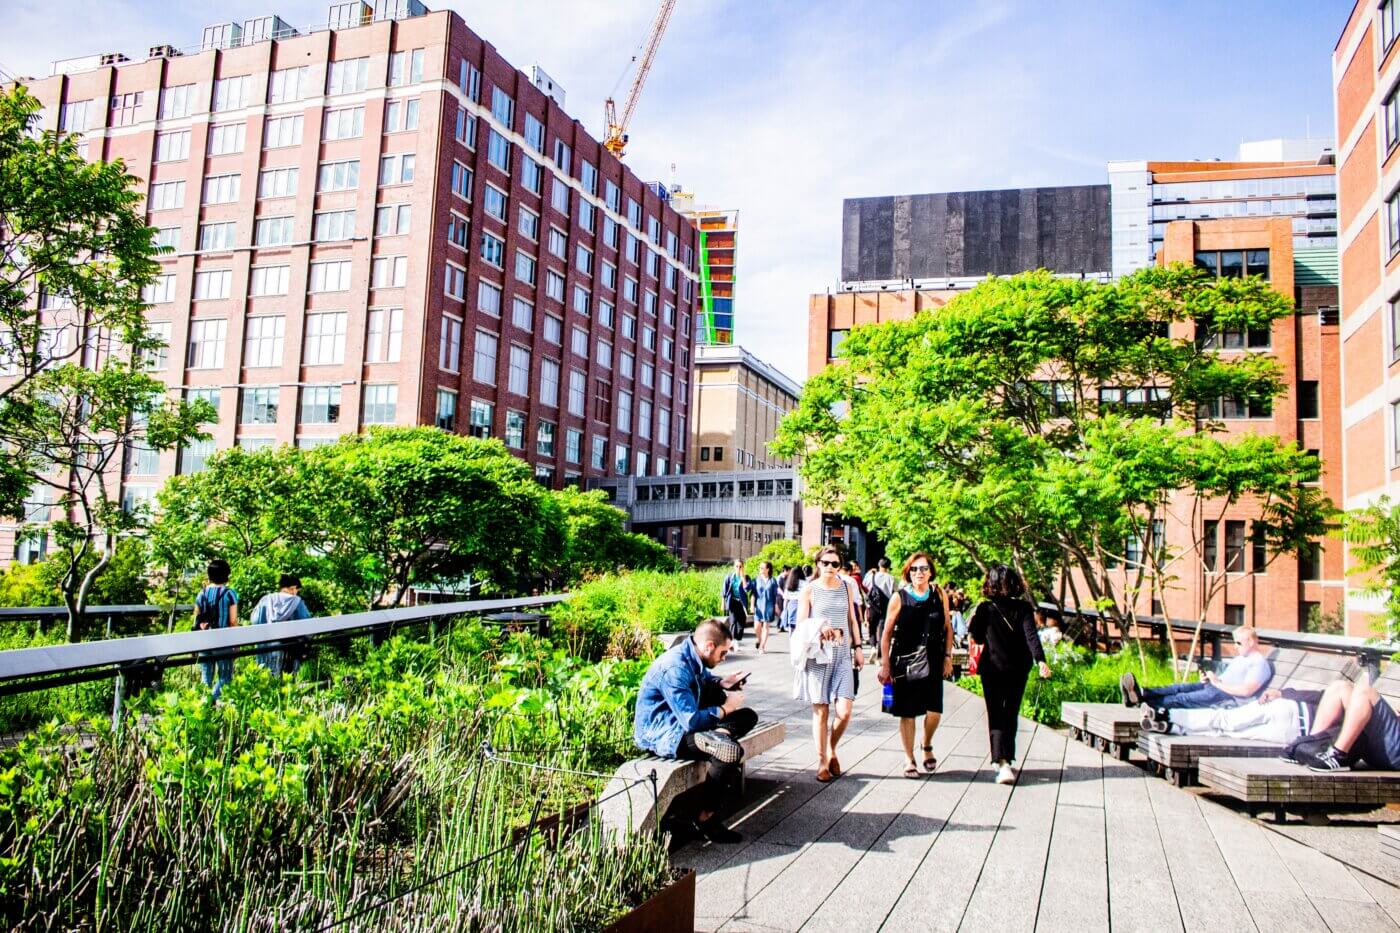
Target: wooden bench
[1112, 728]
[1271, 784]
[628, 804]
[1175, 757]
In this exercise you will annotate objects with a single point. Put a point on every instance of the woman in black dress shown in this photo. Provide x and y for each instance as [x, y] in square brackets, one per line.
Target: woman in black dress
[1004, 625]
[917, 617]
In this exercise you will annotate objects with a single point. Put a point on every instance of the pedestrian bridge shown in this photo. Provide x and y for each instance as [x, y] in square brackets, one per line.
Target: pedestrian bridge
[752, 496]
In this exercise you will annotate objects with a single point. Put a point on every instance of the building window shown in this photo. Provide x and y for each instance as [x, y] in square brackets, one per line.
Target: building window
[1234, 547]
[259, 406]
[605, 352]
[579, 342]
[624, 411]
[172, 146]
[325, 338]
[381, 404]
[578, 390]
[582, 300]
[455, 282]
[498, 151]
[397, 220]
[264, 341]
[285, 85]
[1310, 561]
[227, 138]
[484, 358]
[157, 359]
[125, 107]
[384, 341]
[529, 225]
[402, 115]
[494, 200]
[549, 382]
[518, 376]
[389, 272]
[558, 244]
[277, 183]
[644, 419]
[168, 238]
[559, 197]
[329, 226]
[469, 80]
[213, 284]
[1234, 408]
[320, 405]
[554, 285]
[1395, 432]
[457, 230]
[450, 348]
[602, 400]
[221, 189]
[531, 174]
[1259, 549]
[445, 412]
[502, 107]
[461, 181]
[167, 196]
[1392, 221]
[177, 101]
[338, 176]
[348, 76]
[273, 231]
[329, 276]
[515, 430]
[493, 250]
[544, 439]
[1388, 23]
[483, 414]
[534, 133]
[1210, 547]
[220, 236]
[573, 446]
[583, 259]
[397, 169]
[563, 155]
[345, 123]
[522, 314]
[553, 330]
[621, 461]
[405, 67]
[488, 298]
[269, 280]
[598, 455]
[1308, 402]
[1234, 614]
[834, 341]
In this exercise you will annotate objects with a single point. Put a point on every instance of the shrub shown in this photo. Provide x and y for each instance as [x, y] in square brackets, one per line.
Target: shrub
[783, 552]
[648, 601]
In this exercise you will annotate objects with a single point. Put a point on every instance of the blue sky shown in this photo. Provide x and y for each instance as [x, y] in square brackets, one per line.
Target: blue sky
[783, 108]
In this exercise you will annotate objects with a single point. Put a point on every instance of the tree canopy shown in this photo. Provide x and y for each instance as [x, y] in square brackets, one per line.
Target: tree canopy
[1048, 422]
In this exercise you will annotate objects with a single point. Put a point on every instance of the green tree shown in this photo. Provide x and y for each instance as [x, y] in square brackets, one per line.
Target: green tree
[783, 552]
[1373, 536]
[419, 506]
[598, 541]
[979, 432]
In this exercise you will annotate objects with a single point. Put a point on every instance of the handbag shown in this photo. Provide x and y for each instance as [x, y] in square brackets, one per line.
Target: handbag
[914, 665]
[974, 654]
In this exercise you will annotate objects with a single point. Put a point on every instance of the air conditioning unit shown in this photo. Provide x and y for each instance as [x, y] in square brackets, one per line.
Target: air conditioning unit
[163, 51]
[114, 58]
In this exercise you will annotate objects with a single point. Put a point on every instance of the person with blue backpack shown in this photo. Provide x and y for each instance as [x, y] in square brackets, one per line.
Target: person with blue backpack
[734, 599]
[216, 607]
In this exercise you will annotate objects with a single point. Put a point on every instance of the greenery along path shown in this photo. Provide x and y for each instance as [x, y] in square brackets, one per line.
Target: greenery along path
[1081, 843]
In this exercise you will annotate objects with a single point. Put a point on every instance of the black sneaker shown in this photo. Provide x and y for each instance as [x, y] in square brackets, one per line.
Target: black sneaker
[1334, 759]
[720, 746]
[1155, 720]
[715, 831]
[1127, 686]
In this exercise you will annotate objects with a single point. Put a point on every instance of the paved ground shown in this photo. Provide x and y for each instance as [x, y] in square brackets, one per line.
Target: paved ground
[1082, 842]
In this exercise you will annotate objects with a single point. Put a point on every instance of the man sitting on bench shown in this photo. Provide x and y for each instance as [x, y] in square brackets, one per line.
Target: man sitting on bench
[1277, 717]
[1245, 676]
[684, 711]
[1369, 730]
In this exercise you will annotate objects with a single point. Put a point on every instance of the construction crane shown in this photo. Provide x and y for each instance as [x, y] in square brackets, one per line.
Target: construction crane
[615, 137]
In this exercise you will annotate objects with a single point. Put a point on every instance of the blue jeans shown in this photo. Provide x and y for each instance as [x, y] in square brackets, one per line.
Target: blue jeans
[224, 668]
[1187, 696]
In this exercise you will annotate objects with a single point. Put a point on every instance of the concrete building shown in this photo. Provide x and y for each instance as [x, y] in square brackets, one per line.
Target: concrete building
[738, 403]
[1365, 72]
[385, 222]
[719, 245]
[1271, 178]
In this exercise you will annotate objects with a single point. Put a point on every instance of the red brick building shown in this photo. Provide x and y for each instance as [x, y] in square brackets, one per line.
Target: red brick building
[388, 223]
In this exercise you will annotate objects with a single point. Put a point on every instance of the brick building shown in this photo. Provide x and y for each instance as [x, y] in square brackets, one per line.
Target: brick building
[385, 222]
[1365, 72]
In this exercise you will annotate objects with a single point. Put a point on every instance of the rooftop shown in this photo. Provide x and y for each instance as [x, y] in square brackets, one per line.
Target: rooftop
[726, 353]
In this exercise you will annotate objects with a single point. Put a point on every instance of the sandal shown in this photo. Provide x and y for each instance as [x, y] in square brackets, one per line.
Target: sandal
[834, 767]
[824, 776]
[930, 762]
[911, 770]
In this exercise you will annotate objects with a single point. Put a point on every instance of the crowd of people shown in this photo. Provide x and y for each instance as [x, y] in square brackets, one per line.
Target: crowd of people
[833, 612]
[216, 607]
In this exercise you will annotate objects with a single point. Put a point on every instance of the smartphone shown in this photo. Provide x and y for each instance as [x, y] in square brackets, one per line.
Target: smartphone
[743, 679]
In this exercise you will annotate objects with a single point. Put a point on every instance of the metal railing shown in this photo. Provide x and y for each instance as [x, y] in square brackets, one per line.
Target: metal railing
[139, 661]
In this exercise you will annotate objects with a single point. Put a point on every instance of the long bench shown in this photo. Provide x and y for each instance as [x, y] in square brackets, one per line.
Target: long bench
[1271, 784]
[1112, 728]
[1390, 840]
[628, 803]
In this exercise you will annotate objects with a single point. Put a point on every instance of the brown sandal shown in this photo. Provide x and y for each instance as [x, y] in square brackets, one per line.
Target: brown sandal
[911, 770]
[824, 776]
[930, 762]
[834, 767]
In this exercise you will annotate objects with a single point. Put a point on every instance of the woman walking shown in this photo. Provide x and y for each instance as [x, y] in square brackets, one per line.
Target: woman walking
[915, 656]
[793, 583]
[1003, 624]
[827, 680]
[765, 603]
[734, 600]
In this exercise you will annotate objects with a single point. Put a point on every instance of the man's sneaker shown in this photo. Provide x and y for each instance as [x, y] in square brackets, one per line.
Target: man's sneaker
[1128, 687]
[1155, 720]
[1005, 775]
[720, 746]
[1334, 759]
[715, 831]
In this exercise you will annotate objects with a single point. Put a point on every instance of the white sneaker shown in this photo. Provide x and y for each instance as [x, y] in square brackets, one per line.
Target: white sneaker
[1005, 775]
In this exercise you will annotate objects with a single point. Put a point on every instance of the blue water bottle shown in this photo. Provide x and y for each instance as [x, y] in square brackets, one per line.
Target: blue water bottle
[887, 698]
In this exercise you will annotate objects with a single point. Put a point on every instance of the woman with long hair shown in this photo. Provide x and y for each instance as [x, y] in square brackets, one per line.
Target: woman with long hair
[1004, 625]
[765, 603]
[793, 582]
[826, 605]
[916, 629]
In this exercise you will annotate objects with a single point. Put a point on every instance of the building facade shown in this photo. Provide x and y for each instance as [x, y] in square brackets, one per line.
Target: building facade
[738, 403]
[388, 223]
[1365, 72]
[1298, 182]
[719, 245]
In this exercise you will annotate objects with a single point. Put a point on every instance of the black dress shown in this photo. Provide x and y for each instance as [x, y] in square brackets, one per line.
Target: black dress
[919, 622]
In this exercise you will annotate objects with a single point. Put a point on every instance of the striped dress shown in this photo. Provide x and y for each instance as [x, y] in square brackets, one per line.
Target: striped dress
[827, 683]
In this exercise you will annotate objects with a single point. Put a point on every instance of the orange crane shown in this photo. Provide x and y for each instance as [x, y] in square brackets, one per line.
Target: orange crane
[615, 137]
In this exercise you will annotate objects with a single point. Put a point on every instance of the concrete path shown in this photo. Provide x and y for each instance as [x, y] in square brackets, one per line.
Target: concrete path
[1081, 842]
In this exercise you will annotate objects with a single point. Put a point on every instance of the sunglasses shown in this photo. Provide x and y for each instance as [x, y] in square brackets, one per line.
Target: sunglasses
[828, 563]
[921, 570]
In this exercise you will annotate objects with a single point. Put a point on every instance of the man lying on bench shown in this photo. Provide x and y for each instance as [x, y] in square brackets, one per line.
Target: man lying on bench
[1369, 729]
[1245, 677]
[684, 711]
[1277, 717]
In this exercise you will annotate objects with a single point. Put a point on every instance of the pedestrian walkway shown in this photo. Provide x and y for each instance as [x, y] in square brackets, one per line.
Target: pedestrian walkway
[1082, 842]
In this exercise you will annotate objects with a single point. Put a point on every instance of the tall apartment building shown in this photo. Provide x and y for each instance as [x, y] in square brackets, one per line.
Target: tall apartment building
[1271, 178]
[1365, 74]
[739, 402]
[719, 244]
[385, 222]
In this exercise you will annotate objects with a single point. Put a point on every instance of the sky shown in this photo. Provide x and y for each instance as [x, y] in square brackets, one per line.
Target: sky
[783, 108]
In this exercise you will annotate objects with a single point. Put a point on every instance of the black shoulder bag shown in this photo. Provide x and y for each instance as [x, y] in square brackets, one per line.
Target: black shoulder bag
[913, 666]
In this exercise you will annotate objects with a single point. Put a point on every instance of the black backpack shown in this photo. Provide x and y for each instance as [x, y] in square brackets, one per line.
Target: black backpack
[1304, 747]
[877, 601]
[207, 612]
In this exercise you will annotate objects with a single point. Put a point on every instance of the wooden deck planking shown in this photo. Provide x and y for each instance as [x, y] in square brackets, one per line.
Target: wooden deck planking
[1140, 892]
[1196, 865]
[1273, 896]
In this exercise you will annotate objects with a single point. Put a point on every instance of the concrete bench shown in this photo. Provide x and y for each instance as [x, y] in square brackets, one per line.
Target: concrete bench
[1112, 728]
[1390, 840]
[1175, 757]
[629, 806]
[1271, 784]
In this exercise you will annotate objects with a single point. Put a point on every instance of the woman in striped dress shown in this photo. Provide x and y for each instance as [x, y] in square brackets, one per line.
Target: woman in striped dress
[832, 684]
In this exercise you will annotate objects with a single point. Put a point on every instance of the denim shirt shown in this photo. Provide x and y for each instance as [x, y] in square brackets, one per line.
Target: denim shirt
[668, 705]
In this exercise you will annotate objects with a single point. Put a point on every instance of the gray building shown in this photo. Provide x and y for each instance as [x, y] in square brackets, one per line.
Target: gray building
[948, 238]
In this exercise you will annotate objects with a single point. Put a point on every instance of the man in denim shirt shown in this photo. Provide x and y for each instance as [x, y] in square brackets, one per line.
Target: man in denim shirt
[684, 711]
